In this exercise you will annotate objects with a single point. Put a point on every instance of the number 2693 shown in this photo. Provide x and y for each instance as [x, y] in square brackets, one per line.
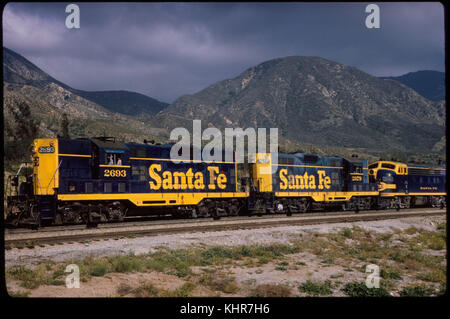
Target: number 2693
[115, 173]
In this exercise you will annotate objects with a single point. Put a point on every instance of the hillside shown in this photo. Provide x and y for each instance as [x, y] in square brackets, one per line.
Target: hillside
[34, 104]
[429, 84]
[18, 70]
[314, 100]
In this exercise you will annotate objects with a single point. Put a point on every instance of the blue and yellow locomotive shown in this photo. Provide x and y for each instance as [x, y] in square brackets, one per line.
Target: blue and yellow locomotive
[297, 182]
[87, 180]
[101, 179]
[408, 185]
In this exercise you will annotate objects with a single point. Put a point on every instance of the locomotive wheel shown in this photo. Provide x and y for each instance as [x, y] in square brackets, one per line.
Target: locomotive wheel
[304, 205]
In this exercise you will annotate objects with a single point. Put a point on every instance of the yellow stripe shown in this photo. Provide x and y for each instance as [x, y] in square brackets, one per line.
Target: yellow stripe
[411, 194]
[441, 169]
[169, 160]
[75, 155]
[138, 199]
[356, 173]
[307, 166]
[126, 166]
[326, 196]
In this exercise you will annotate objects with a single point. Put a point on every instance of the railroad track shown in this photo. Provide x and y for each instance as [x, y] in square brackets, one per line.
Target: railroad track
[106, 231]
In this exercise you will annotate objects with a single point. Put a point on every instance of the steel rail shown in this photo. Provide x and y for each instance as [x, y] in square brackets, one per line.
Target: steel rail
[80, 235]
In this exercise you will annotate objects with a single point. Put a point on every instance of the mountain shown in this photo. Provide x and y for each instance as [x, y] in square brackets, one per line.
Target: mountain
[314, 100]
[125, 102]
[18, 70]
[429, 84]
[34, 104]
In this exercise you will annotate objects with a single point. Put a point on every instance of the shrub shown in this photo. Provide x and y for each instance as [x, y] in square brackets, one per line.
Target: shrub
[316, 288]
[358, 289]
[270, 290]
[416, 291]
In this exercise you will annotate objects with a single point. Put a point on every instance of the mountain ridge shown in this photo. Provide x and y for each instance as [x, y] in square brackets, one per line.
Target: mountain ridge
[428, 83]
[313, 99]
[19, 70]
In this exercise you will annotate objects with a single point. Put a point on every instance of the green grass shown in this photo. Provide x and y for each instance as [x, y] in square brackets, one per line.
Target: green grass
[219, 282]
[390, 275]
[433, 276]
[181, 292]
[316, 288]
[416, 291]
[359, 289]
[30, 278]
[271, 290]
[19, 294]
[146, 290]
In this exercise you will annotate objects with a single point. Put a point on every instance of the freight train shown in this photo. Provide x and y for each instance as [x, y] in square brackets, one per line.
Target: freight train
[100, 179]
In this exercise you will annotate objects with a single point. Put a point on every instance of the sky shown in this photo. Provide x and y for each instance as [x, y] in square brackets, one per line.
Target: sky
[166, 50]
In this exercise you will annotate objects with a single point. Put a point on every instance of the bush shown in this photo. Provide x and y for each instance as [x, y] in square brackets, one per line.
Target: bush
[316, 288]
[416, 291]
[98, 269]
[269, 290]
[358, 289]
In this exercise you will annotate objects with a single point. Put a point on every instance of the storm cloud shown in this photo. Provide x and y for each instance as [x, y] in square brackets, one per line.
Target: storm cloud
[165, 50]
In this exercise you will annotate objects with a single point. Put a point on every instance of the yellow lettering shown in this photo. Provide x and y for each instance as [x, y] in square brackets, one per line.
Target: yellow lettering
[190, 176]
[305, 180]
[299, 182]
[152, 172]
[327, 182]
[198, 183]
[212, 176]
[283, 180]
[222, 181]
[179, 180]
[312, 182]
[167, 180]
[291, 181]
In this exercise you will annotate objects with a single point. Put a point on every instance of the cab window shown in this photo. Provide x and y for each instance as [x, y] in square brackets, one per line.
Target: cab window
[375, 165]
[113, 158]
[386, 165]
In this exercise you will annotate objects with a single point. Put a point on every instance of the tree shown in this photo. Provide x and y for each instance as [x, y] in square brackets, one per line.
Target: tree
[21, 132]
[65, 126]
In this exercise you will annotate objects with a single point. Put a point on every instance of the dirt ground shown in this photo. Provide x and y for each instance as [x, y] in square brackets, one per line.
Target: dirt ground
[243, 276]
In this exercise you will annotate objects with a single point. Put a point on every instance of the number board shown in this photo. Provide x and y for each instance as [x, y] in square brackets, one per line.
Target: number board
[111, 172]
[46, 149]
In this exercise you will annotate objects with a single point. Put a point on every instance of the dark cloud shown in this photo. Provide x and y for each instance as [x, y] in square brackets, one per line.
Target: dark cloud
[166, 50]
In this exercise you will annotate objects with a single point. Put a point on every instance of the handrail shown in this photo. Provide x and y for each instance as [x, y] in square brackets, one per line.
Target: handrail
[53, 175]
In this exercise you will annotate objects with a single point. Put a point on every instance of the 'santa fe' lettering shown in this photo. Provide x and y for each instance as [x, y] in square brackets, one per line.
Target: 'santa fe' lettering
[170, 180]
[305, 181]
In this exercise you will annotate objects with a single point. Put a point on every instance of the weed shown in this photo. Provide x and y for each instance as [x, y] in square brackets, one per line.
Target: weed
[346, 232]
[19, 294]
[433, 276]
[124, 289]
[184, 291]
[358, 289]
[98, 269]
[416, 291]
[146, 290]
[316, 288]
[390, 275]
[220, 283]
[270, 290]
